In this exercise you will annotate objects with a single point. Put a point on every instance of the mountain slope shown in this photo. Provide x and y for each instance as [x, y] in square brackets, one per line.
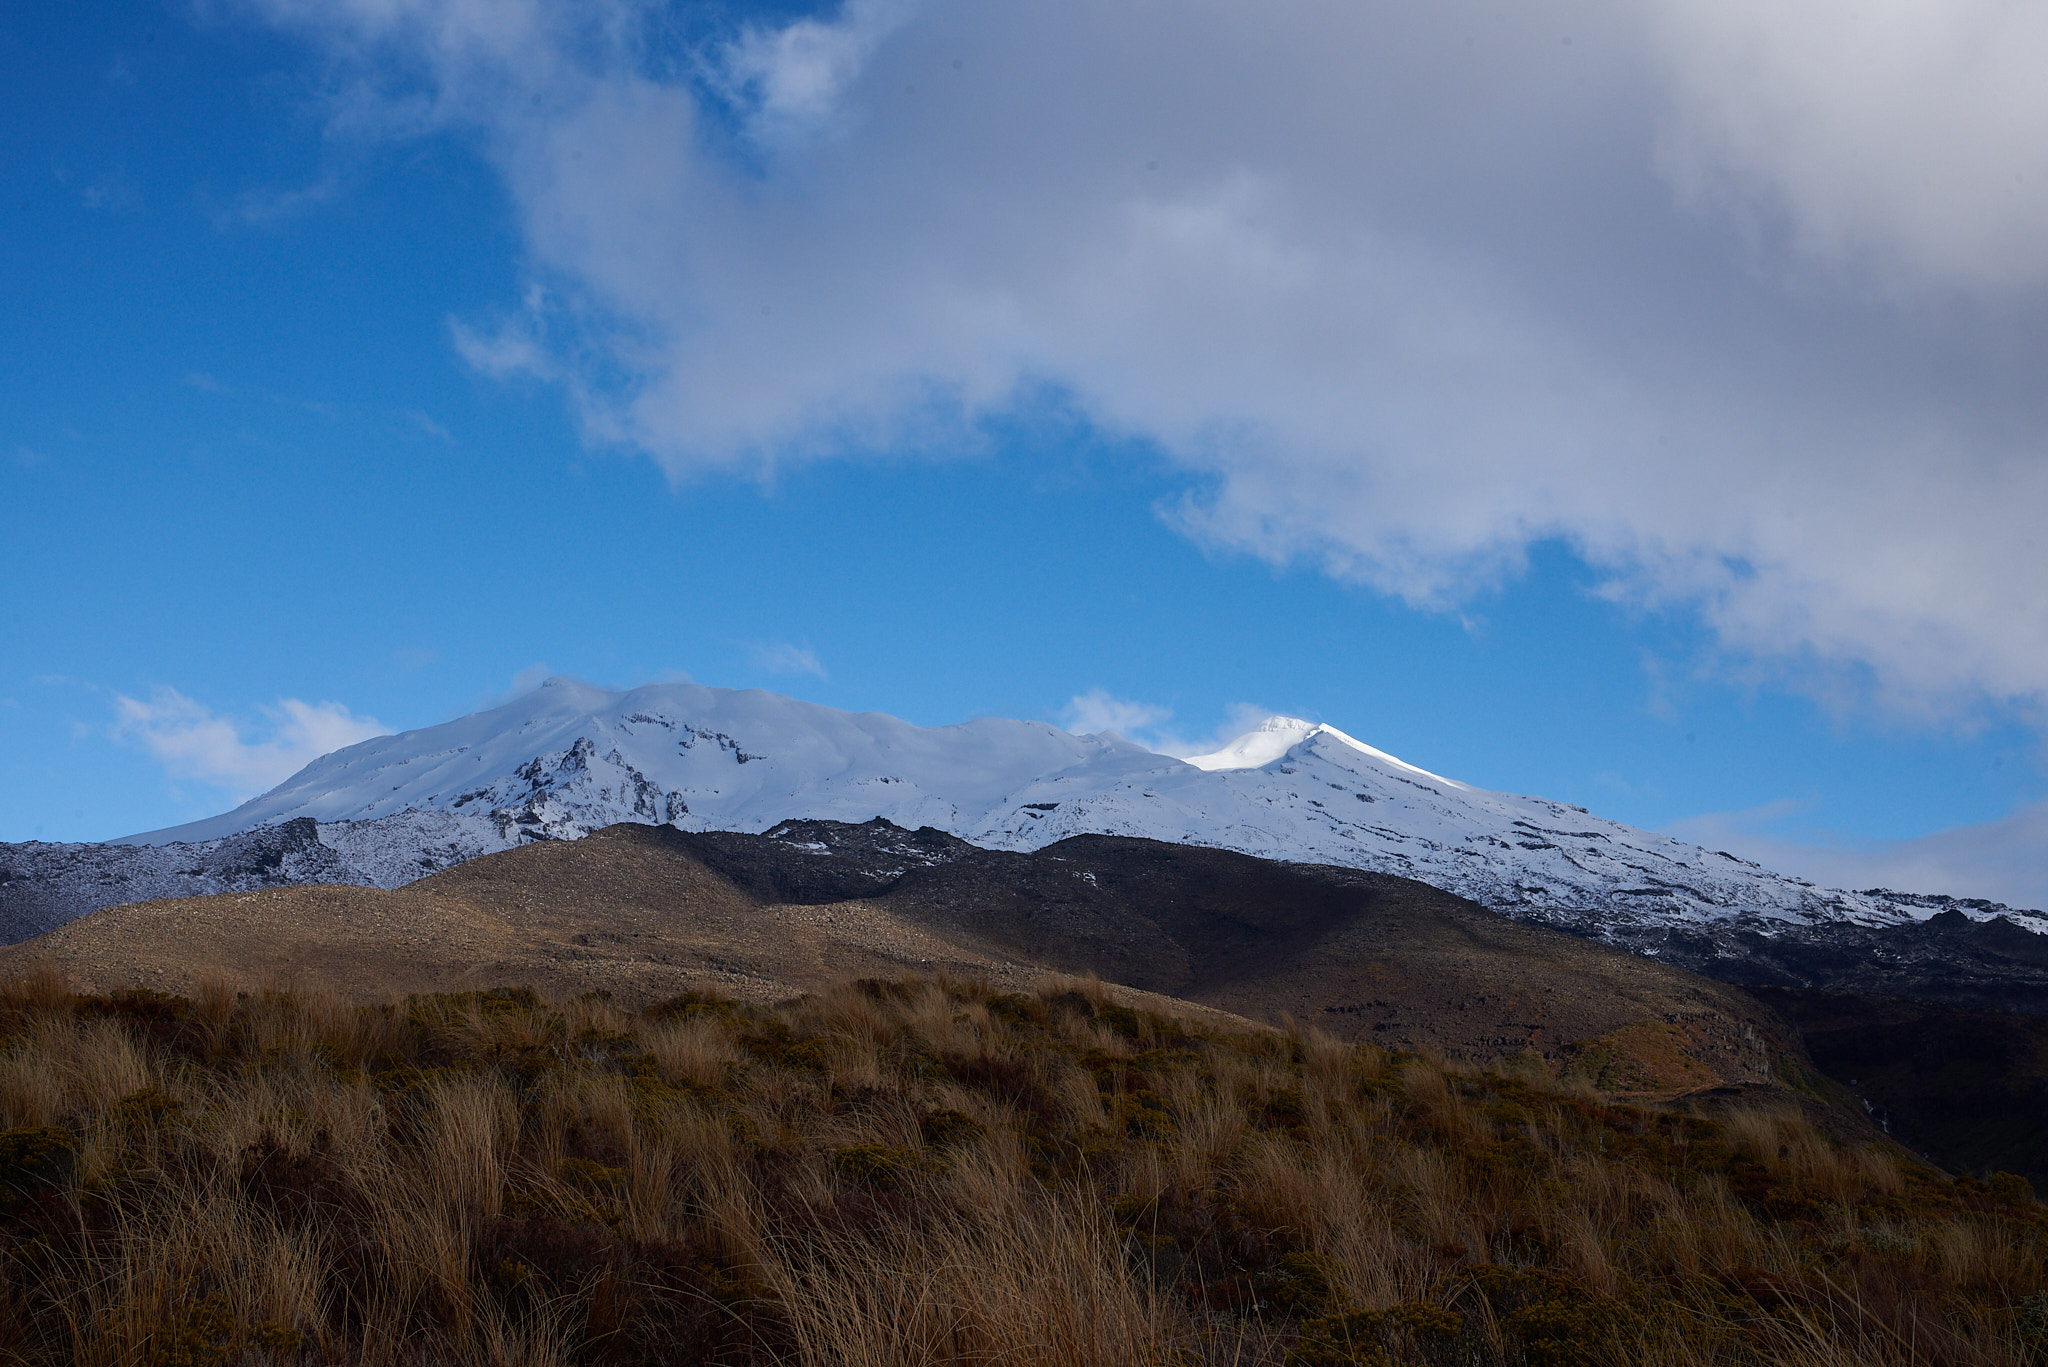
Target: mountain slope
[43, 885]
[643, 912]
[568, 759]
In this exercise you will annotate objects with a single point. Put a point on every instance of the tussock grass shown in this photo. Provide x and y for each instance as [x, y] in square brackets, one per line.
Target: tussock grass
[924, 1172]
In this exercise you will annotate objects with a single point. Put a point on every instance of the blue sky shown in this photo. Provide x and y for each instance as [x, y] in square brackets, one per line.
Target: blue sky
[1496, 392]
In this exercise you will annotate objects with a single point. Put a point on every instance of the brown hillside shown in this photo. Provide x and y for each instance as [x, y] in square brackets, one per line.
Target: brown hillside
[645, 912]
[624, 911]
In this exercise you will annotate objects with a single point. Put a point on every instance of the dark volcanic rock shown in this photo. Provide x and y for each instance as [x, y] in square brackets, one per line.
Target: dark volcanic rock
[813, 862]
[1948, 958]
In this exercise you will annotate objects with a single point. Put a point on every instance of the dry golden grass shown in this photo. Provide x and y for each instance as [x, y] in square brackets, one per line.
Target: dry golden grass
[924, 1172]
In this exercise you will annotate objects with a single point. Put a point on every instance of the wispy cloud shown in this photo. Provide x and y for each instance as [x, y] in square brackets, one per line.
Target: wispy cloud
[1098, 710]
[204, 383]
[264, 205]
[522, 683]
[792, 79]
[115, 191]
[240, 757]
[514, 344]
[424, 424]
[781, 657]
[1145, 724]
[2004, 860]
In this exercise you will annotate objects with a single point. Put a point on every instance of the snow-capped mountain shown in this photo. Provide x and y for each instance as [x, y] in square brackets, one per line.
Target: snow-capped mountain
[569, 758]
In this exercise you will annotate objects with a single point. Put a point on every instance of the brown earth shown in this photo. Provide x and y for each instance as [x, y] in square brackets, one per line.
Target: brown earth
[646, 912]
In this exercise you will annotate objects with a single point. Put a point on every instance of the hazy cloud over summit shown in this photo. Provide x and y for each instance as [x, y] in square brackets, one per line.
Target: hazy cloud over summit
[196, 744]
[1743, 302]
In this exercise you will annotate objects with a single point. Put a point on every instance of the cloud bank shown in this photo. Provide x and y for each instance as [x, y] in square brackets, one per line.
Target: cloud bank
[195, 744]
[1742, 302]
[2005, 861]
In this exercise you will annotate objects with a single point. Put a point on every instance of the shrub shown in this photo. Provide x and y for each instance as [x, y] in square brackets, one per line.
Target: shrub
[35, 1162]
[1410, 1333]
[2012, 1189]
[946, 1128]
[882, 1167]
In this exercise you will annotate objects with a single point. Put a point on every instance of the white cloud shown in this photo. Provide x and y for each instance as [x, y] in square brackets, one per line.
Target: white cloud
[511, 348]
[1900, 136]
[2005, 861]
[780, 657]
[1403, 289]
[194, 743]
[1096, 711]
[1240, 718]
[795, 76]
[529, 678]
[115, 191]
[268, 205]
[1145, 724]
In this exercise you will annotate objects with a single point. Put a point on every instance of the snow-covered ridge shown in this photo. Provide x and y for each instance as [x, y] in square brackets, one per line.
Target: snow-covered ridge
[569, 758]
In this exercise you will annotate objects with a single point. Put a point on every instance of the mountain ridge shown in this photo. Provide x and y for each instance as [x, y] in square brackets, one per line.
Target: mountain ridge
[570, 758]
[641, 912]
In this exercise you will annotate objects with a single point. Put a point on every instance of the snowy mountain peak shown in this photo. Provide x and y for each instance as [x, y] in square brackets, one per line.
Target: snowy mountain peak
[1276, 737]
[1400, 766]
[1268, 741]
[570, 758]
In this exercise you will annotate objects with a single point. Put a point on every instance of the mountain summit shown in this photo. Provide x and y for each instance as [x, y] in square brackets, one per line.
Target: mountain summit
[1272, 738]
[569, 758]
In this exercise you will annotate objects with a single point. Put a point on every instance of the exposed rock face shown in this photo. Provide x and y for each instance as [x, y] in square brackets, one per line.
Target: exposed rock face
[1993, 964]
[44, 885]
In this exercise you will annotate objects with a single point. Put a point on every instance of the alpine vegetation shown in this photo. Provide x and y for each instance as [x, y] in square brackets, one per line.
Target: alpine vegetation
[927, 1171]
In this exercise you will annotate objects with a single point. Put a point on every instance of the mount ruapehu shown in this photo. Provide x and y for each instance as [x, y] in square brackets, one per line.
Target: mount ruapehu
[1296, 871]
[569, 759]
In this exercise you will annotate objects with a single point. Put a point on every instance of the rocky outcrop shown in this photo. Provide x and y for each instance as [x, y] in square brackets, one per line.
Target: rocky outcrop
[43, 885]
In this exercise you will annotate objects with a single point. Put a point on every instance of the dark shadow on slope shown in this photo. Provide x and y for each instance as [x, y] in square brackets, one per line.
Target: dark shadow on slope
[1967, 1087]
